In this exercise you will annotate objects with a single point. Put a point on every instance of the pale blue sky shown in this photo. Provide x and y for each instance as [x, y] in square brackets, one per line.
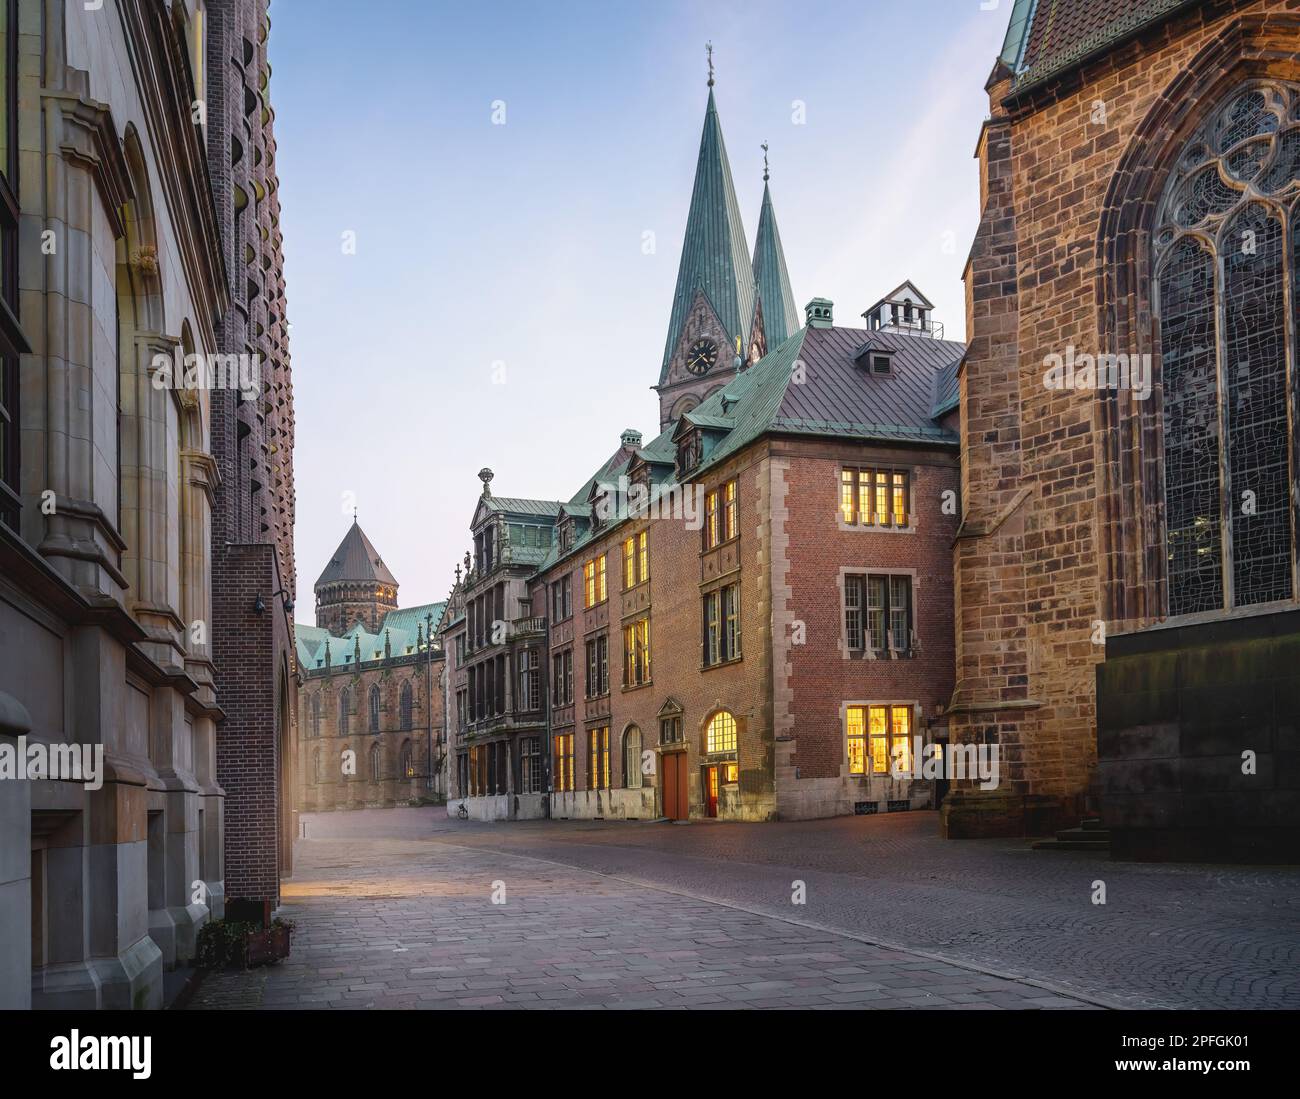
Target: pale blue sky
[481, 244]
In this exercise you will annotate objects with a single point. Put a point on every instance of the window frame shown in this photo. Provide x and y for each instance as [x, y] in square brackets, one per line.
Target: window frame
[868, 738]
[891, 485]
[636, 653]
[598, 758]
[868, 607]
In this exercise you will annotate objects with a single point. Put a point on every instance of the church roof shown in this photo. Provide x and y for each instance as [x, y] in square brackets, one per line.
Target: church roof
[1048, 38]
[356, 560]
[401, 629]
[771, 279]
[715, 254]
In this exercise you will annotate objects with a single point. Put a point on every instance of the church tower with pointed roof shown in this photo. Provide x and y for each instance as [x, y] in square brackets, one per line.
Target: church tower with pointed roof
[355, 586]
[715, 316]
[771, 279]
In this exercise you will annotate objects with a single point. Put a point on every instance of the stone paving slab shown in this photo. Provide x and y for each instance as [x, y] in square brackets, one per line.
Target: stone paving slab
[402, 923]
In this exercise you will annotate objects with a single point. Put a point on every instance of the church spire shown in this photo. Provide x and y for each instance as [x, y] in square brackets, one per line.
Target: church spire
[715, 255]
[771, 279]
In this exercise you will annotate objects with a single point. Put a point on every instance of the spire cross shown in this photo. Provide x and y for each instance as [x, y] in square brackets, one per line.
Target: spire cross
[708, 48]
[764, 147]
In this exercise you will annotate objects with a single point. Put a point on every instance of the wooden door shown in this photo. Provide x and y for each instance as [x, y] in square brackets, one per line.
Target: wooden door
[711, 791]
[672, 790]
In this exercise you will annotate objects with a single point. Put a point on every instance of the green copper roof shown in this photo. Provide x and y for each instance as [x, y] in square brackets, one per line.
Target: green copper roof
[402, 630]
[771, 279]
[715, 255]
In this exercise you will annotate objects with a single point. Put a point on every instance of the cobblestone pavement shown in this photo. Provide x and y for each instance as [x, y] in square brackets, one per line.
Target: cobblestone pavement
[389, 914]
[1169, 935]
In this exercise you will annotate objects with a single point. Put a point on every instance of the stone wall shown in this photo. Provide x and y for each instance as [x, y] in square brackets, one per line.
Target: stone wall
[1059, 542]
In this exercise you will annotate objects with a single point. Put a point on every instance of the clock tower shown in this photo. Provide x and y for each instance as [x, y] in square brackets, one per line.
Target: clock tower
[717, 325]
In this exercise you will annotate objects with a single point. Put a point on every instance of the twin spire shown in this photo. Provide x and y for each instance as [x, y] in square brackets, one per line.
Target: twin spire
[715, 255]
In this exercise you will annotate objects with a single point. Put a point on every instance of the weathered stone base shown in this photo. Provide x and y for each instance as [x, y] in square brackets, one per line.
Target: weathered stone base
[966, 815]
[638, 804]
[501, 807]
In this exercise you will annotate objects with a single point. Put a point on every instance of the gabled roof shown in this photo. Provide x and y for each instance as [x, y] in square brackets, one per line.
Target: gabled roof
[771, 279]
[834, 396]
[1052, 36]
[356, 560]
[893, 295]
[715, 255]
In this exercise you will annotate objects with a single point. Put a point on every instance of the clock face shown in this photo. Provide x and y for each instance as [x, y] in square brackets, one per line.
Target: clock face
[702, 356]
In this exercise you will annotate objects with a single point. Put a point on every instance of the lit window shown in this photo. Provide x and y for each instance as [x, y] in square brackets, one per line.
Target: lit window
[636, 653]
[886, 731]
[564, 762]
[598, 758]
[720, 518]
[875, 497]
[636, 560]
[721, 734]
[593, 581]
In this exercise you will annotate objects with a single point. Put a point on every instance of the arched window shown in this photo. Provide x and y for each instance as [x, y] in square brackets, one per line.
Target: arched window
[721, 735]
[408, 760]
[374, 709]
[632, 777]
[315, 714]
[343, 712]
[1222, 267]
[374, 763]
[406, 707]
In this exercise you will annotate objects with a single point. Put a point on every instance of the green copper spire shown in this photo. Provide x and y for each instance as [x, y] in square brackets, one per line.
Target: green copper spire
[771, 279]
[715, 255]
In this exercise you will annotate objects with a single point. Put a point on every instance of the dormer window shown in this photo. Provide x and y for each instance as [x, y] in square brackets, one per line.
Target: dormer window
[566, 535]
[689, 452]
[881, 362]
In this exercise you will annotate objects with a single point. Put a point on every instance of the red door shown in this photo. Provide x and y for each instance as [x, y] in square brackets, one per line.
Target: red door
[711, 791]
[673, 785]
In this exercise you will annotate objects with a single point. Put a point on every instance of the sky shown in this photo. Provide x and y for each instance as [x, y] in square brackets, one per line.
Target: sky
[467, 192]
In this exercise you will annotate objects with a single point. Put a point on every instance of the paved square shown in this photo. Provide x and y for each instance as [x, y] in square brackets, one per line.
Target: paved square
[387, 916]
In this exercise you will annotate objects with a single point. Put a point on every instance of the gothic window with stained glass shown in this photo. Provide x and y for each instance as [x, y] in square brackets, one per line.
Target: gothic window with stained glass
[1227, 267]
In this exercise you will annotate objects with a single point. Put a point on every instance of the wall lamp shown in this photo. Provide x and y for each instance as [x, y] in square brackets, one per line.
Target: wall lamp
[259, 605]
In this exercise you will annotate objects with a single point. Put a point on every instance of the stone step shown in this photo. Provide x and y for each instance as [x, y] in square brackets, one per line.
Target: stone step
[1083, 835]
[1071, 845]
[1093, 824]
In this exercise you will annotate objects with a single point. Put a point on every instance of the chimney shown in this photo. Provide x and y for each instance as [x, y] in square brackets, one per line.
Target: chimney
[817, 313]
[630, 438]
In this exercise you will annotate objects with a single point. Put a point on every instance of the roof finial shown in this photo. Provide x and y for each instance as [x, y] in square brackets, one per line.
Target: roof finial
[354, 513]
[764, 147]
[708, 48]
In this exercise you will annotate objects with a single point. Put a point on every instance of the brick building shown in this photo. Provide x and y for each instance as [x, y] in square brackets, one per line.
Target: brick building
[370, 697]
[748, 616]
[252, 444]
[113, 276]
[1125, 568]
